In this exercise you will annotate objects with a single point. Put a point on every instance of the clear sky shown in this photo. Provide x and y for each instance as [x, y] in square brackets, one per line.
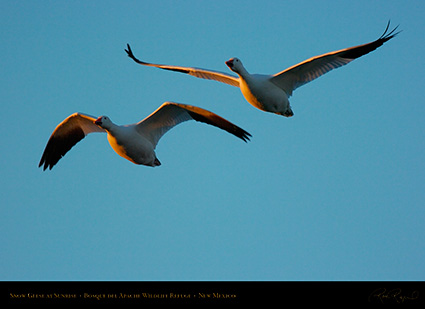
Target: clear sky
[334, 193]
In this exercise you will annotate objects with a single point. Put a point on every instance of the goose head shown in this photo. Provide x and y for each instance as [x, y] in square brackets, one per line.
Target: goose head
[103, 122]
[235, 65]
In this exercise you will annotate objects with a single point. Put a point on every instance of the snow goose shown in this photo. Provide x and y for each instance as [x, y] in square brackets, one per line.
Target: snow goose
[134, 142]
[270, 93]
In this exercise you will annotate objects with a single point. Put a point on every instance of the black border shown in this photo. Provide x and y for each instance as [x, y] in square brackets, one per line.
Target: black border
[216, 292]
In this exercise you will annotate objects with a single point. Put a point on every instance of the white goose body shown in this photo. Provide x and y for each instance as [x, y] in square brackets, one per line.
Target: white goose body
[131, 145]
[134, 142]
[270, 93]
[261, 93]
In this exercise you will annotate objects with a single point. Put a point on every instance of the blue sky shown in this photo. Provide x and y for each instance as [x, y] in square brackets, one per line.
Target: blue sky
[334, 193]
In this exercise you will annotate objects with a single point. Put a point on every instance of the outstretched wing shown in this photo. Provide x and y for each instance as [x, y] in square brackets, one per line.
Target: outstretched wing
[66, 135]
[170, 114]
[310, 69]
[197, 72]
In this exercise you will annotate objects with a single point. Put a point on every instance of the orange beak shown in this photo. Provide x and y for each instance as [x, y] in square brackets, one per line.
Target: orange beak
[98, 121]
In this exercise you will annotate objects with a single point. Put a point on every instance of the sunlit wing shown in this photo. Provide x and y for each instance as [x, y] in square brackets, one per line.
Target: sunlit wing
[171, 114]
[197, 72]
[310, 69]
[66, 135]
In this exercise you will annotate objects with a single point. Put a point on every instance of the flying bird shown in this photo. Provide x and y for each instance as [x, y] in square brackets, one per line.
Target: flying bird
[271, 93]
[134, 142]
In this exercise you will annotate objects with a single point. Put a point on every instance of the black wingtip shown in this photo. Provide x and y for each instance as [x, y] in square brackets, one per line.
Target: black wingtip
[129, 51]
[246, 137]
[42, 161]
[358, 51]
[241, 133]
[388, 36]
[199, 114]
[386, 29]
[46, 165]
[131, 55]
